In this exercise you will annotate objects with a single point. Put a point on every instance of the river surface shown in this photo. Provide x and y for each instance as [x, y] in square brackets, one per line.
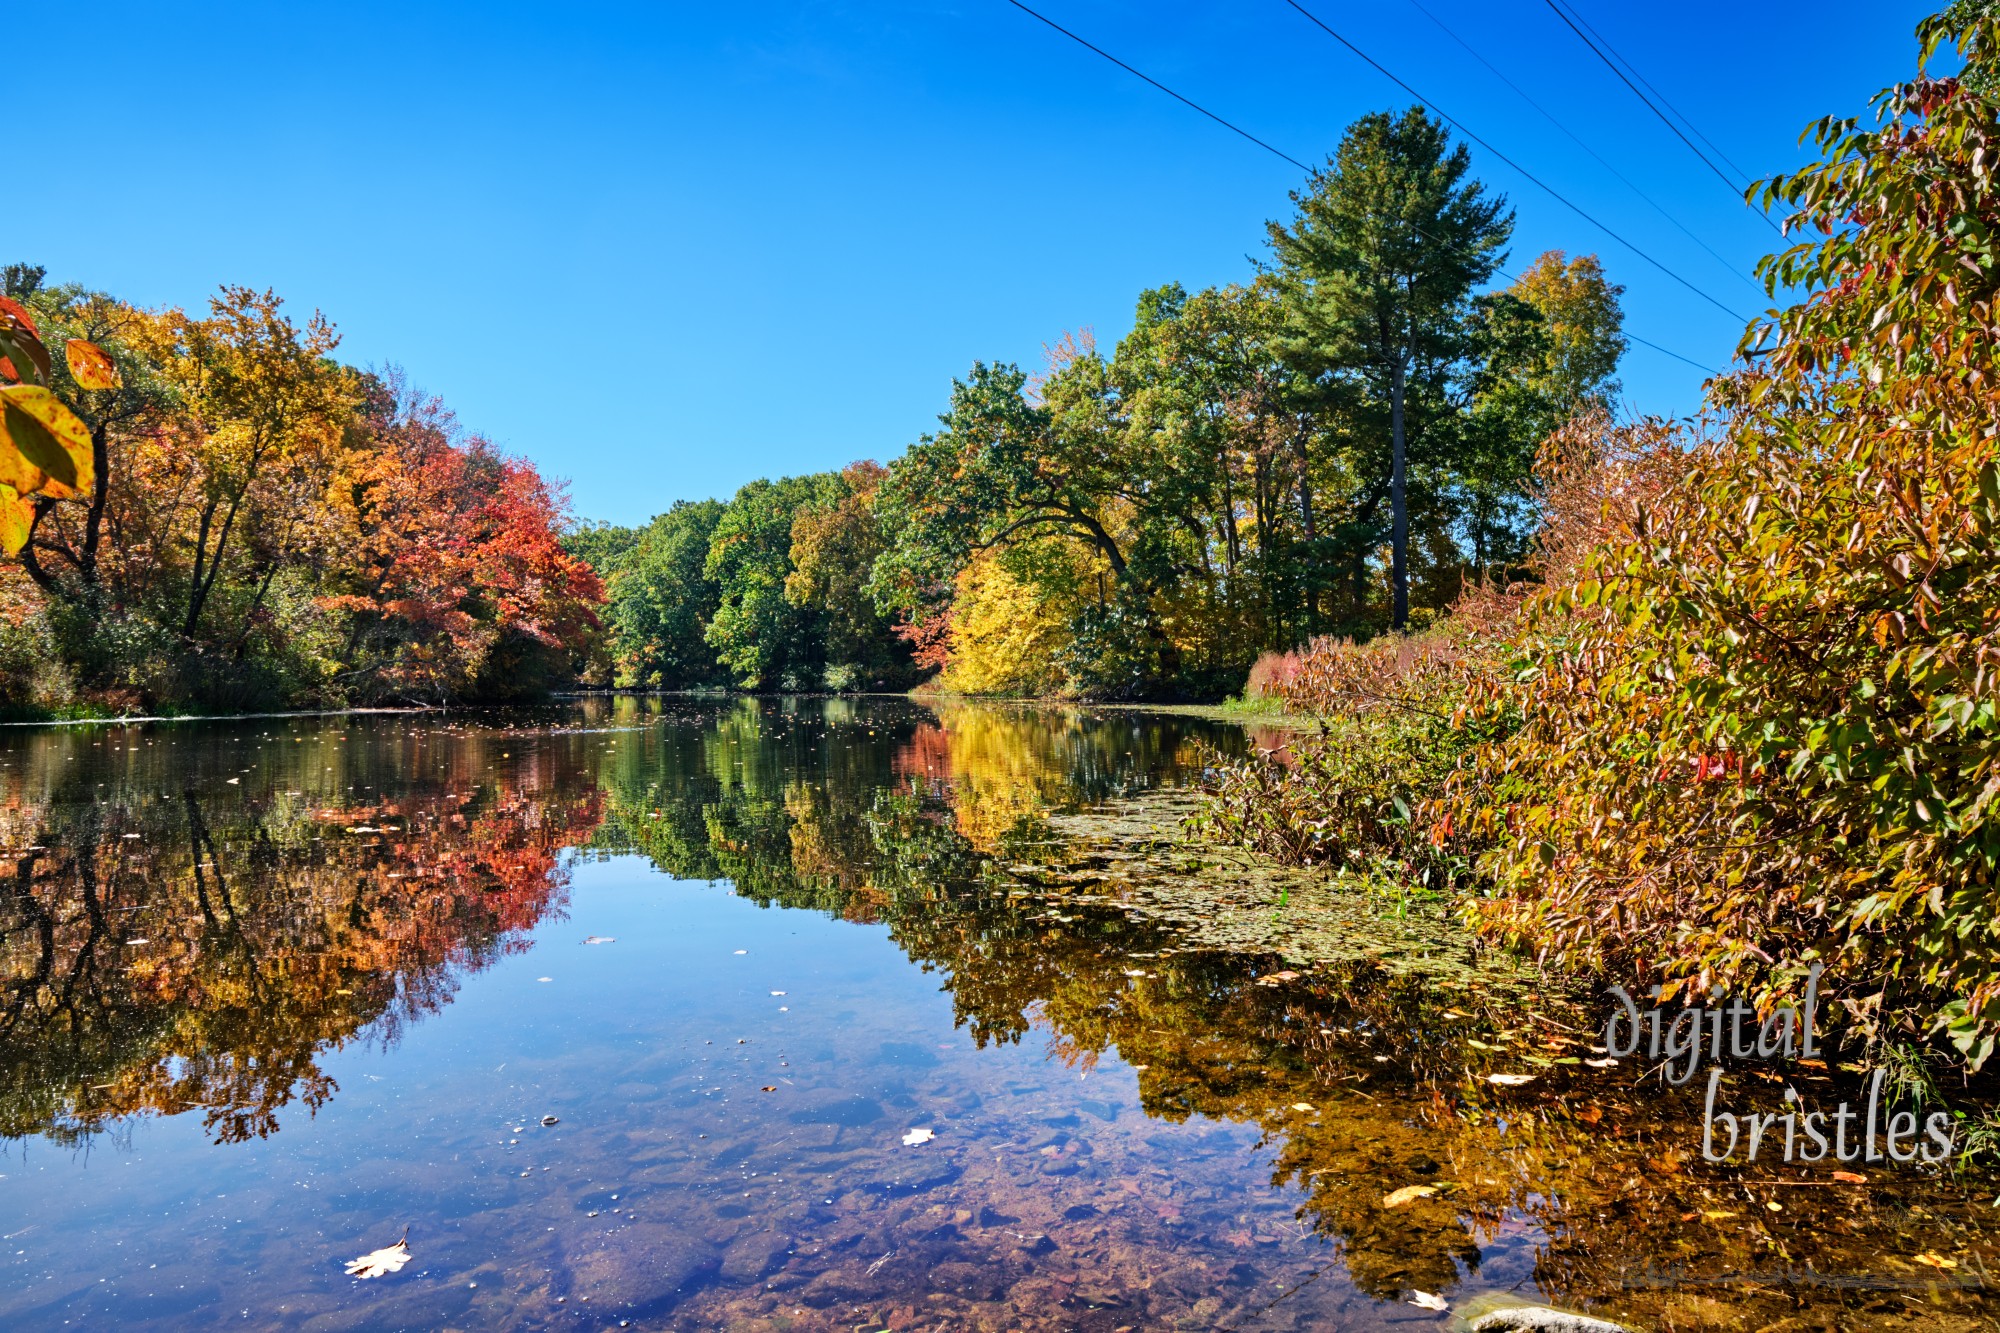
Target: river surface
[685, 1014]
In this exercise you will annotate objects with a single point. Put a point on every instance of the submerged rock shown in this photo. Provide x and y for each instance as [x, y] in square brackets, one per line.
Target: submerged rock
[1495, 1313]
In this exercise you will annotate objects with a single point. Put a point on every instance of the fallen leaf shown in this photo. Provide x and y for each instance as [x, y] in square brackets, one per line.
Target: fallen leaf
[600, 939]
[1408, 1194]
[1717, 1215]
[1774, 1205]
[1850, 1178]
[916, 1136]
[388, 1259]
[1302, 1106]
[1424, 1300]
[1936, 1260]
[1510, 1080]
[770, 1087]
[234, 781]
[1606, 1063]
[1590, 1115]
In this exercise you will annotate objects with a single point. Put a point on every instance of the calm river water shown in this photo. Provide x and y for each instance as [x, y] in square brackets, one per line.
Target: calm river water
[678, 1014]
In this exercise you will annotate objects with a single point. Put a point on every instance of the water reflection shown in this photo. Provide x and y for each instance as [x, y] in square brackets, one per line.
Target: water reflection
[175, 940]
[200, 919]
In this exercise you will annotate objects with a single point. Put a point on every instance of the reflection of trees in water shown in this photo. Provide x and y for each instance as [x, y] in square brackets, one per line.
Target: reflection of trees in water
[163, 950]
[1594, 1171]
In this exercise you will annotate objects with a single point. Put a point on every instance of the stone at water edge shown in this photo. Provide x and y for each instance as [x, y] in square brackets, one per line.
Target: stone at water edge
[1496, 1312]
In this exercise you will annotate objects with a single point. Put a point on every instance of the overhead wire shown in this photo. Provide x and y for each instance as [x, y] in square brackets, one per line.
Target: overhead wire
[1683, 117]
[1279, 153]
[1602, 161]
[1556, 194]
[1734, 188]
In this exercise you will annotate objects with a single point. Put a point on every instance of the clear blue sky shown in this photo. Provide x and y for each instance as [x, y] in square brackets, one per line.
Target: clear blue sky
[664, 249]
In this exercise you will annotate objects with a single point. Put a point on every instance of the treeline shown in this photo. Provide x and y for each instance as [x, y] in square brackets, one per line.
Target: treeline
[242, 522]
[1336, 445]
[1748, 725]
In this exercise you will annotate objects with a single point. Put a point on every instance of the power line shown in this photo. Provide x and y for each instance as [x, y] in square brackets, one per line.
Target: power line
[1161, 86]
[1664, 352]
[1693, 128]
[1612, 65]
[1549, 189]
[1287, 156]
[1599, 159]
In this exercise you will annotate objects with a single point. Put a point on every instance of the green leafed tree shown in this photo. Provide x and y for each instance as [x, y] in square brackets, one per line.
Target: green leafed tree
[1378, 268]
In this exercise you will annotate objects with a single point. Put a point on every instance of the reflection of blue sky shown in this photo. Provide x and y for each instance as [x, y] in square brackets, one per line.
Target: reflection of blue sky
[762, 238]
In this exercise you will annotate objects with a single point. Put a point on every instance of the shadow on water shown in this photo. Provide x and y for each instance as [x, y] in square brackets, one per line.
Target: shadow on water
[1134, 1128]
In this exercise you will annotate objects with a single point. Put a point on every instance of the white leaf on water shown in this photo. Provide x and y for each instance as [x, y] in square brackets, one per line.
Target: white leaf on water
[1510, 1080]
[388, 1259]
[916, 1136]
[1428, 1301]
[600, 939]
[777, 992]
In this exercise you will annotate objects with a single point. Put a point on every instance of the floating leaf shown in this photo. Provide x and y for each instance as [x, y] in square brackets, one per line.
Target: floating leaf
[388, 1259]
[89, 365]
[1605, 1063]
[916, 1136]
[1510, 1080]
[1408, 1194]
[1936, 1260]
[1850, 1178]
[51, 452]
[1424, 1300]
[600, 939]
[1302, 1106]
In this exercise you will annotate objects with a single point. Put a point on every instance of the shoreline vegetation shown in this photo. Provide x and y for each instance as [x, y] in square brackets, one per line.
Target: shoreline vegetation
[1742, 722]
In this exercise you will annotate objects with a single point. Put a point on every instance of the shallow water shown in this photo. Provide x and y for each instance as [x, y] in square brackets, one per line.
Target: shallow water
[272, 992]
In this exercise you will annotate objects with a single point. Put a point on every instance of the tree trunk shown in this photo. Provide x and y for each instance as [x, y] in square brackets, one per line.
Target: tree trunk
[1399, 509]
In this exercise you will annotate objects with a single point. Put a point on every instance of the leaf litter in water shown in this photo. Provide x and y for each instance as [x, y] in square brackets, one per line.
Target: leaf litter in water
[1510, 1080]
[1427, 1301]
[1408, 1194]
[916, 1136]
[388, 1259]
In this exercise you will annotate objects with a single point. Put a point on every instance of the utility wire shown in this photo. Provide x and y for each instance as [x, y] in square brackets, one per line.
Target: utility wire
[1543, 185]
[1612, 65]
[1161, 86]
[1693, 128]
[1600, 160]
[1288, 157]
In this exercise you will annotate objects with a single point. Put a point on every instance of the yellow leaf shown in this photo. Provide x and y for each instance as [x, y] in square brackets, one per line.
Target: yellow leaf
[51, 448]
[16, 517]
[1408, 1194]
[89, 365]
[1510, 1080]
[1936, 1260]
[388, 1259]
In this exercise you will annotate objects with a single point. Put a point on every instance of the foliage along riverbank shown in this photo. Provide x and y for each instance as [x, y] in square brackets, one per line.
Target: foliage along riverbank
[1748, 723]
[247, 524]
[1334, 445]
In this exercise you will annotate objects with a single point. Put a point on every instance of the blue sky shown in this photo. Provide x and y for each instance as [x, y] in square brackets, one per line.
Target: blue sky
[664, 249]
